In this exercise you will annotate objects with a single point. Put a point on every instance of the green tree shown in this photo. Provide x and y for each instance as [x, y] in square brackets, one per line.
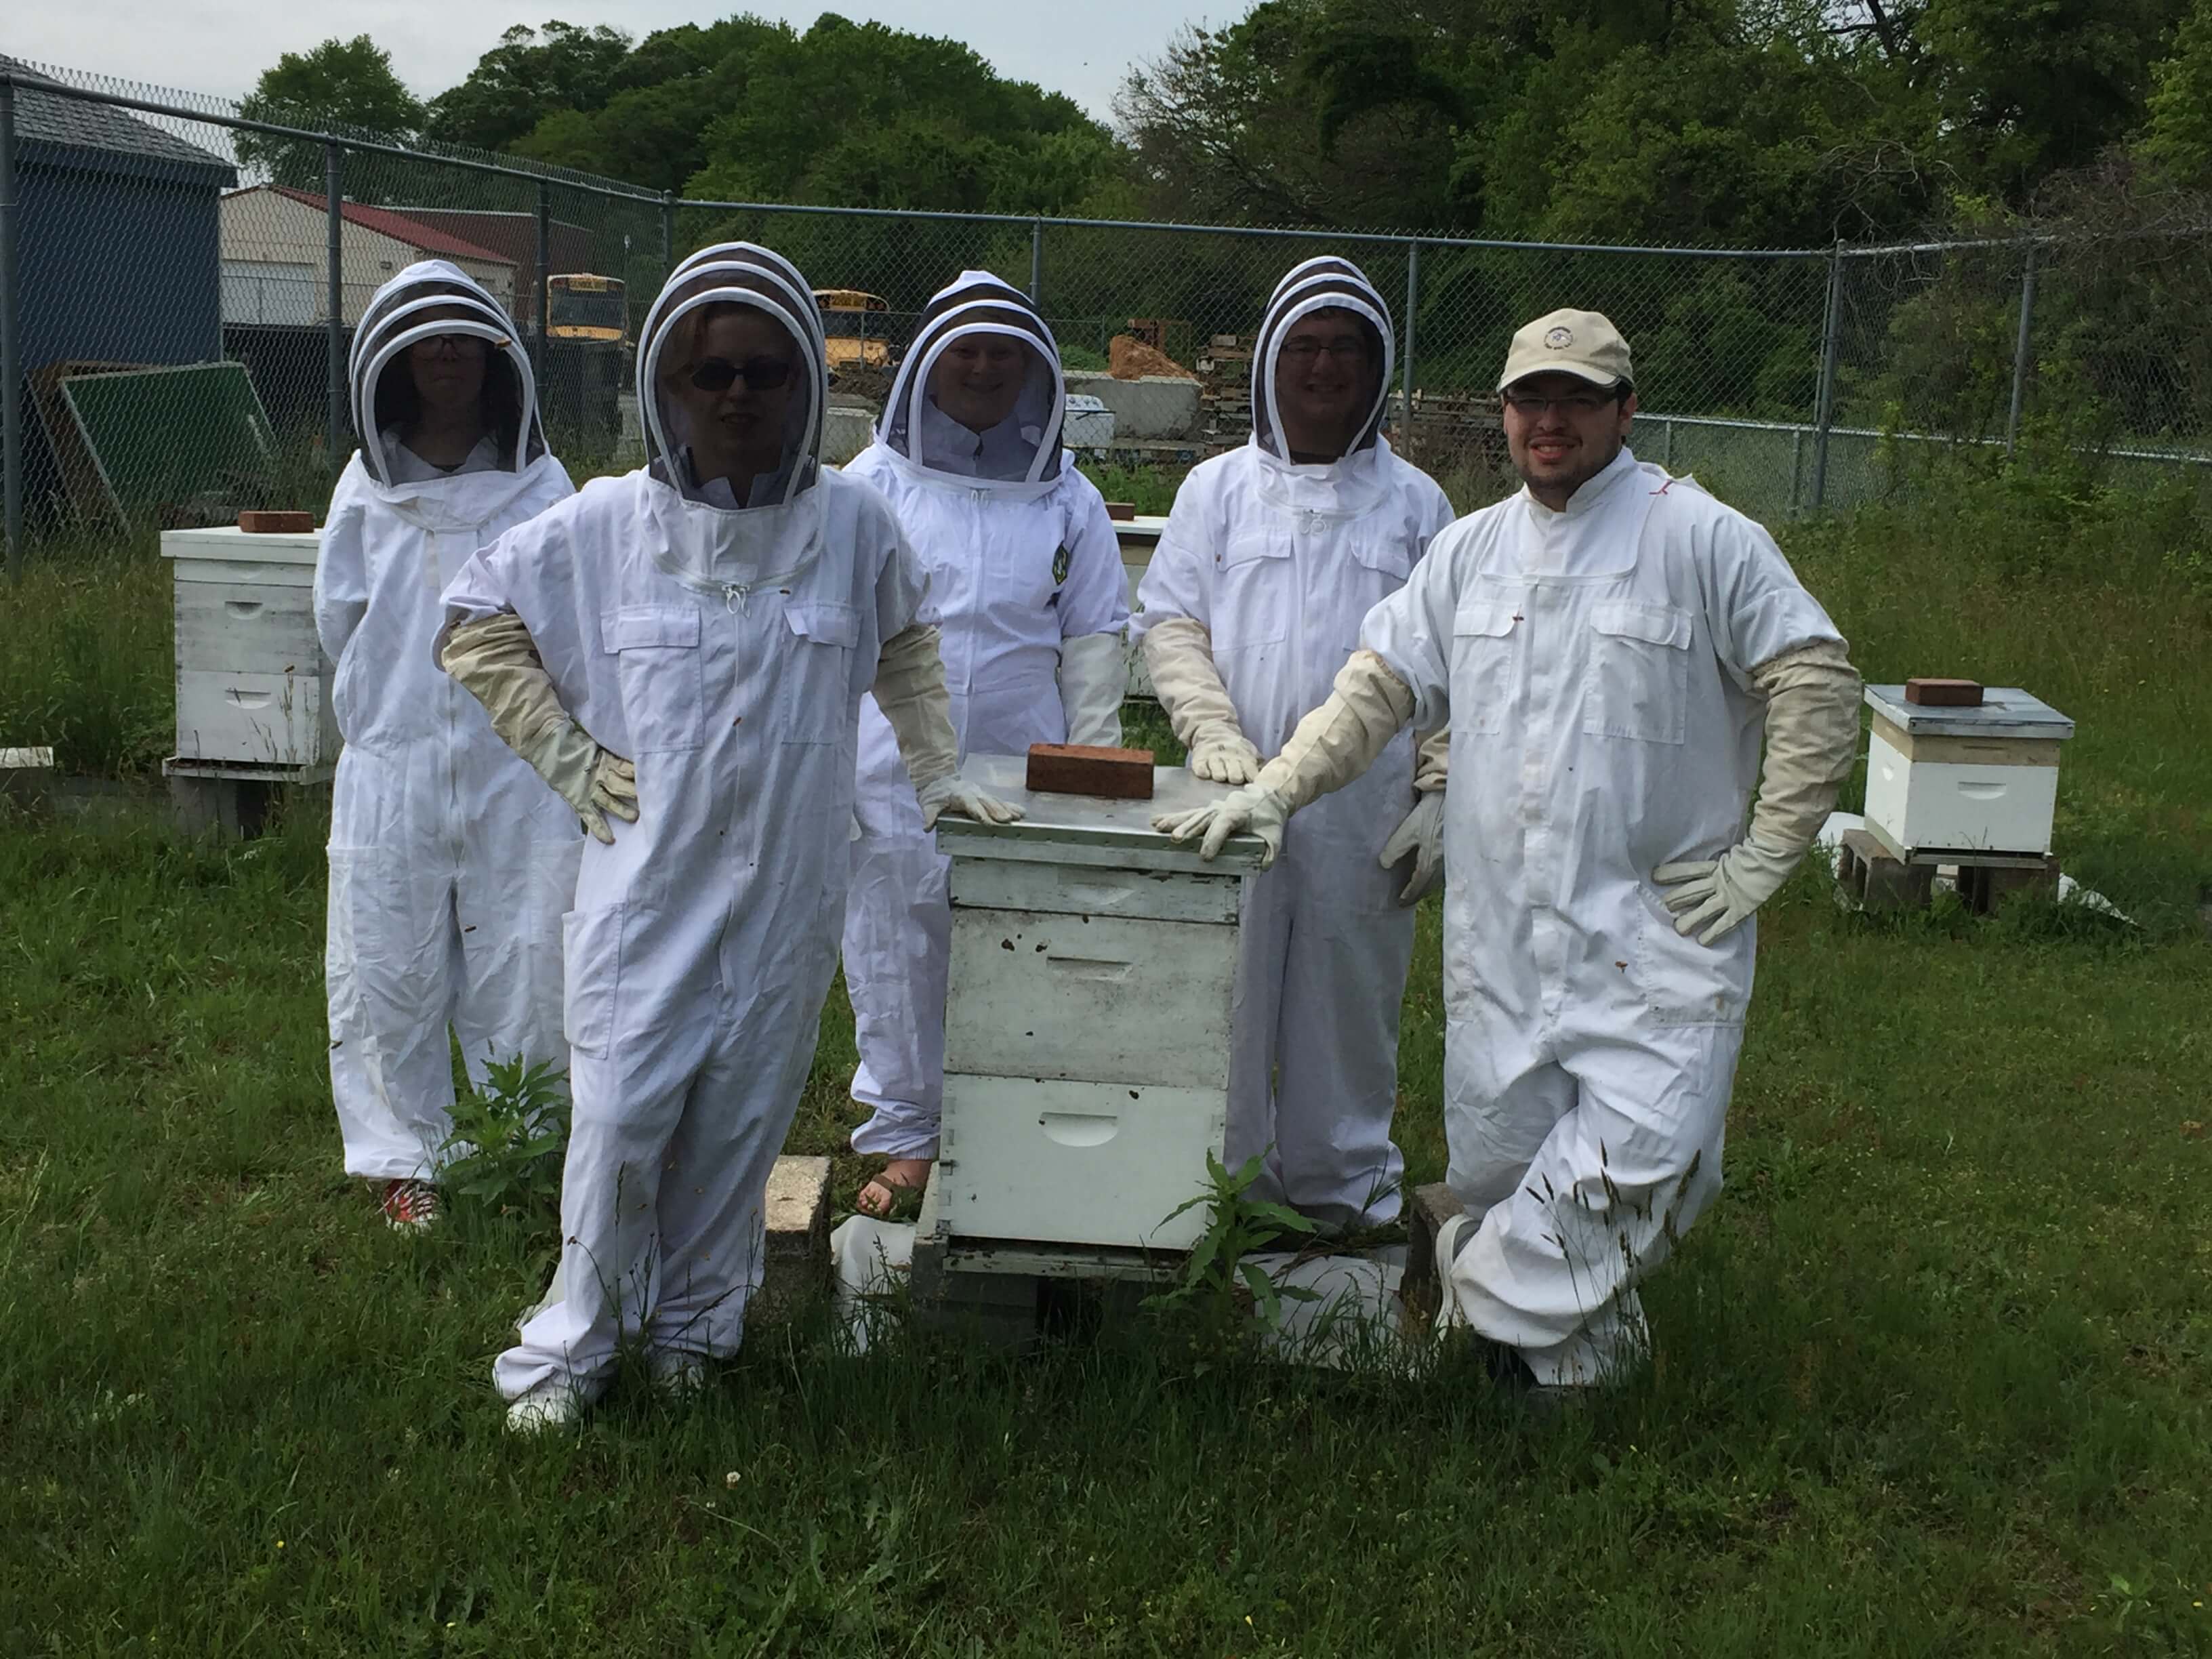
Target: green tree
[2177, 141]
[342, 86]
[531, 75]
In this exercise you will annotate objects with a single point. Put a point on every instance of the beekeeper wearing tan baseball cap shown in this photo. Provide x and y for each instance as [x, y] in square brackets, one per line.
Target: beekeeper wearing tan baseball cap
[1608, 646]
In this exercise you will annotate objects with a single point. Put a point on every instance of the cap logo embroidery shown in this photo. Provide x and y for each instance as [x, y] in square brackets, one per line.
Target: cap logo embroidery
[1559, 338]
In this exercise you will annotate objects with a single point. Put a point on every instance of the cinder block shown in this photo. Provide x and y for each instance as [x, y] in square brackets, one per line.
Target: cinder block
[1065, 769]
[1983, 890]
[1879, 880]
[26, 777]
[797, 1266]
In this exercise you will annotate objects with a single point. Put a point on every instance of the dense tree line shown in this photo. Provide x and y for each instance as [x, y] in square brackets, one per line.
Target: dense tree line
[1677, 121]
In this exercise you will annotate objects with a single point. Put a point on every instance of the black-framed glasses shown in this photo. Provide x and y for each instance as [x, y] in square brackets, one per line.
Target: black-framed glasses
[1575, 403]
[1304, 347]
[759, 374]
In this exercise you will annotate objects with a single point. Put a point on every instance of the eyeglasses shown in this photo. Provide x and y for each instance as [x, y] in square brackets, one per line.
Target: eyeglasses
[759, 374]
[467, 345]
[1575, 403]
[1305, 349]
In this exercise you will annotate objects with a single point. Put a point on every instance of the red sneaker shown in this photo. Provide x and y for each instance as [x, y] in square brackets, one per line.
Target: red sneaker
[409, 1206]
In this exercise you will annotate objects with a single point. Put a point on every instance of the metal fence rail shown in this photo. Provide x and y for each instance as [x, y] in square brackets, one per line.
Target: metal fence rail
[142, 229]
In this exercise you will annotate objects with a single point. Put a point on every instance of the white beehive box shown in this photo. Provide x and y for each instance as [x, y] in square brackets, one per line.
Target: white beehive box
[253, 688]
[1088, 423]
[1139, 537]
[1965, 780]
[1086, 1040]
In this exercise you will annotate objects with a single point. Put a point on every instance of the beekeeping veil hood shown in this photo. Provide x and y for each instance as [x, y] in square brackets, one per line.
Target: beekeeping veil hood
[430, 298]
[734, 274]
[1022, 455]
[1322, 284]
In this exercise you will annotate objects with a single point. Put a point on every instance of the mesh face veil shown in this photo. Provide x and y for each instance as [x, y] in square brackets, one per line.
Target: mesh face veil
[740, 274]
[978, 305]
[1321, 284]
[422, 302]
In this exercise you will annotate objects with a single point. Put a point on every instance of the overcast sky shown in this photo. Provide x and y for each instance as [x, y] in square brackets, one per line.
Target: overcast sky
[222, 46]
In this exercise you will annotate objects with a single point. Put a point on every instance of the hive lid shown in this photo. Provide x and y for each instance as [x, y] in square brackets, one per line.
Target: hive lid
[228, 542]
[2006, 711]
[1120, 827]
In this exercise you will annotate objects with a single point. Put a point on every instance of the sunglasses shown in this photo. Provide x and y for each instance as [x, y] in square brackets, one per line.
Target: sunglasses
[759, 374]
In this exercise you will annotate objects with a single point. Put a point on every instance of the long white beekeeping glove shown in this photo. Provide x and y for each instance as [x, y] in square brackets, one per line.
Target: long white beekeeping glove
[911, 690]
[1333, 744]
[1093, 675]
[497, 662]
[1420, 833]
[1179, 656]
[1812, 738]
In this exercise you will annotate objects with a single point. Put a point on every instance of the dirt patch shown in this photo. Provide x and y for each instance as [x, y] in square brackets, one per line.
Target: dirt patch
[1128, 359]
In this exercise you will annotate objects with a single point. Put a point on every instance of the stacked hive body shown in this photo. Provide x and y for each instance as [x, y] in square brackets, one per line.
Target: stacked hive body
[253, 688]
[1086, 1044]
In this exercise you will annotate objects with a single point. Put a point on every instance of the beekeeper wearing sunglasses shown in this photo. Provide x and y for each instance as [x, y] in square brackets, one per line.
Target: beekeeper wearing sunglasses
[450, 860]
[681, 654]
[1272, 556]
[1610, 645]
[1025, 579]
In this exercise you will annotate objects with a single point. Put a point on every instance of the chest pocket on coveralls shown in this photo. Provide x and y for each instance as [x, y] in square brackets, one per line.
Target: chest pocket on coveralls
[1383, 562]
[827, 634]
[663, 686]
[1252, 590]
[1484, 650]
[1639, 671]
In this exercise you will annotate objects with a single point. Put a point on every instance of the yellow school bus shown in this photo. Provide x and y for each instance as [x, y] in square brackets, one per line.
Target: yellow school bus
[855, 328]
[581, 307]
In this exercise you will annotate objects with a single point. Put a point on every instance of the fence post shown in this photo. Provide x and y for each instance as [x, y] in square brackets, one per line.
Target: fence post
[667, 232]
[1406, 368]
[334, 368]
[1036, 261]
[11, 365]
[544, 280]
[2020, 357]
[1824, 402]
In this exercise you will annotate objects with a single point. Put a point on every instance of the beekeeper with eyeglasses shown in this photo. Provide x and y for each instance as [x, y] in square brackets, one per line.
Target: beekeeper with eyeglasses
[1272, 555]
[1610, 645]
[1025, 580]
[450, 860]
[682, 653]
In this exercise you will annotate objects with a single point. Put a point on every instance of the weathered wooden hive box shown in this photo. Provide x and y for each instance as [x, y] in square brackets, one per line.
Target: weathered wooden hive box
[253, 688]
[1086, 1040]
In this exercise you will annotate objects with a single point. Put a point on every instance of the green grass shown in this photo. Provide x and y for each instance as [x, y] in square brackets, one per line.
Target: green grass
[1935, 1376]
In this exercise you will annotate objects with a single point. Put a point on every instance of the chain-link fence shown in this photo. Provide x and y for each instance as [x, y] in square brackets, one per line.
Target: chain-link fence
[178, 286]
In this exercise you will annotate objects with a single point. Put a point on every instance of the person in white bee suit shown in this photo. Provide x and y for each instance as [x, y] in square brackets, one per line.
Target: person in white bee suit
[680, 652]
[1025, 580]
[450, 860]
[1609, 645]
[1272, 555]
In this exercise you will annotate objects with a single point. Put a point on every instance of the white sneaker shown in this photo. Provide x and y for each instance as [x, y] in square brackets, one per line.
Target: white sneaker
[549, 1406]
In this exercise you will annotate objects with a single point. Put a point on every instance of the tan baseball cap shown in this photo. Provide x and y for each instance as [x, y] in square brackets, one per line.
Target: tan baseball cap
[1583, 343]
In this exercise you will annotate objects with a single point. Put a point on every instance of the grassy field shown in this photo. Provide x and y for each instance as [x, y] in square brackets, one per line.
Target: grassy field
[1934, 1376]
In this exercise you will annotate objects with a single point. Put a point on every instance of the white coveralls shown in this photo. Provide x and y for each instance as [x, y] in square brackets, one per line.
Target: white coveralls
[1020, 556]
[450, 860]
[1594, 665]
[725, 650]
[1280, 562]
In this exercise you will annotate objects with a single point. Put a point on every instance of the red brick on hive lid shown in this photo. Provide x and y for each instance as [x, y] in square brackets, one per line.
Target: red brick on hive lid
[260, 522]
[1944, 694]
[1071, 769]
